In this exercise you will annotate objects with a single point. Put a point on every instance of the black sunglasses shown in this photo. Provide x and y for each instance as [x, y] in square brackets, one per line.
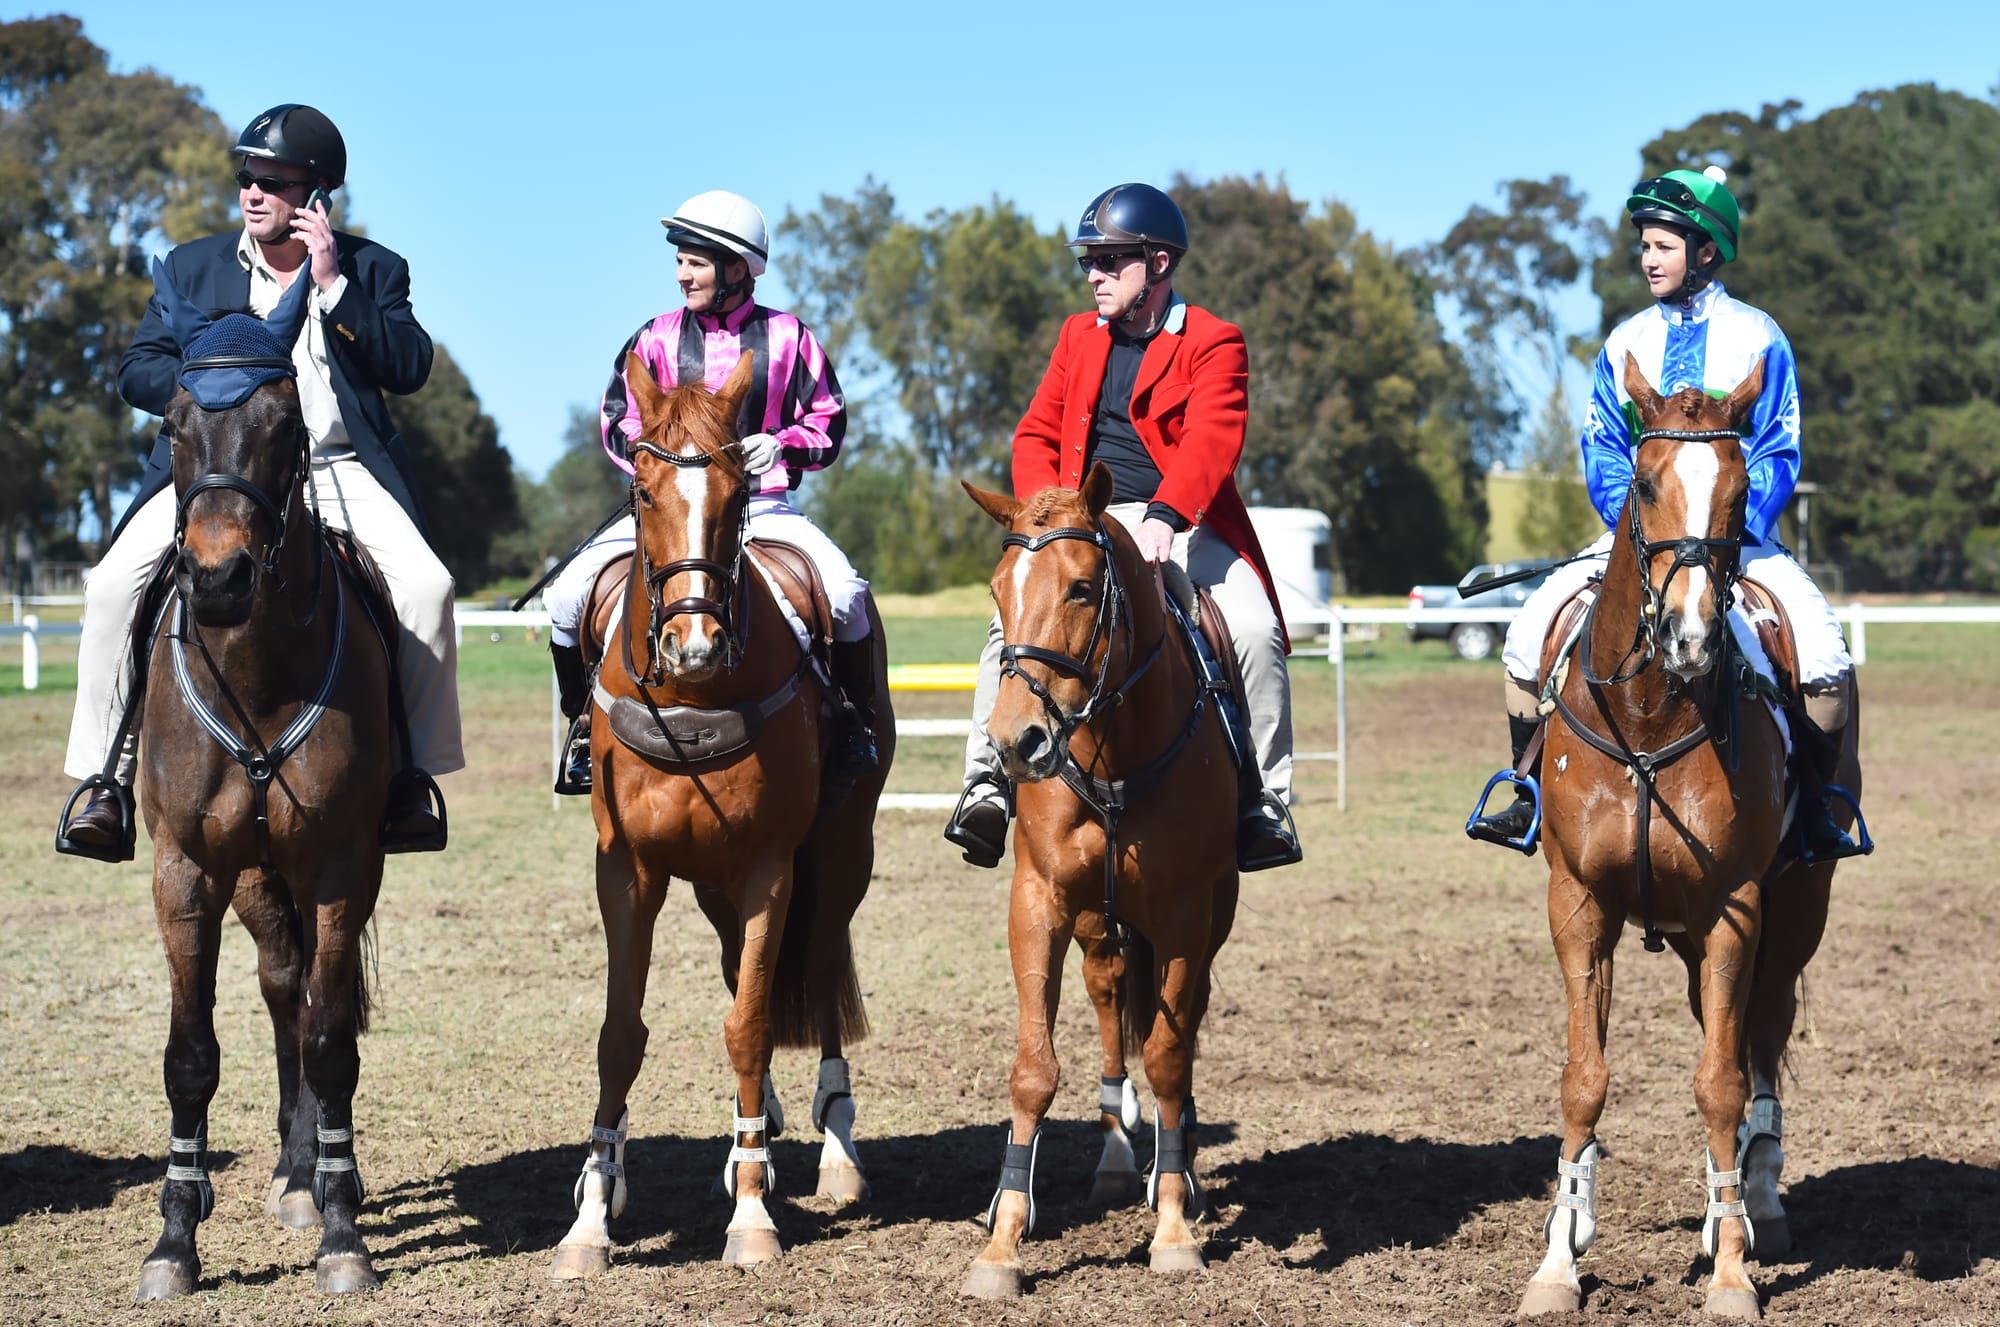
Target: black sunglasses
[269, 184]
[1107, 263]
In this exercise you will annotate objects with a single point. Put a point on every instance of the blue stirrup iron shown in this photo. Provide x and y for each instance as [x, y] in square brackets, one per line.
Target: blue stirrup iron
[1526, 843]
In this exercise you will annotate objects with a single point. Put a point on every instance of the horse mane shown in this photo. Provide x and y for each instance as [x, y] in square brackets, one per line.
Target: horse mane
[1042, 506]
[691, 408]
[1692, 401]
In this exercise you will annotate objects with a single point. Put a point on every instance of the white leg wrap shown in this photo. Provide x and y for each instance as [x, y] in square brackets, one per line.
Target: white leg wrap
[605, 1160]
[1117, 1096]
[756, 1124]
[1572, 1224]
[837, 1119]
[1760, 1153]
[1719, 1211]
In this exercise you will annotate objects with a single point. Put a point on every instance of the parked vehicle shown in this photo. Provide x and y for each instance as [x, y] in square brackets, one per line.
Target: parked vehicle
[1474, 640]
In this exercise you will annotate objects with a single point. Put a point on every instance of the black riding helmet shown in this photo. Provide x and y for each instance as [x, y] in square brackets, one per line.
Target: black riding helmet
[298, 136]
[1132, 214]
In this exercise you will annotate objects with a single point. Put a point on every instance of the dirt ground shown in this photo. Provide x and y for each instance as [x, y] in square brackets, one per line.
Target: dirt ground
[1378, 1087]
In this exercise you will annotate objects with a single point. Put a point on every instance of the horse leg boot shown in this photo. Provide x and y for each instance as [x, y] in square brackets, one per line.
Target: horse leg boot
[840, 1175]
[1817, 748]
[573, 695]
[1117, 1181]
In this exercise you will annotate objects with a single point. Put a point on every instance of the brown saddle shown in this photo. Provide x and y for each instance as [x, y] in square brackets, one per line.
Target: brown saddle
[787, 564]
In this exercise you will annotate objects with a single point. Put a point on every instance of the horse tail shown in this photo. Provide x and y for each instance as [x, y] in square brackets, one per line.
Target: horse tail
[794, 1017]
[366, 973]
[1142, 994]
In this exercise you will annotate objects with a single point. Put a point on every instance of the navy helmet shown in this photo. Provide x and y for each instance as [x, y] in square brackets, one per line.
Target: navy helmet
[298, 136]
[1132, 214]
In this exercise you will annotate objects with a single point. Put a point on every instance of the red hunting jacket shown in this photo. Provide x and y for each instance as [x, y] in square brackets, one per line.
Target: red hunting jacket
[1190, 406]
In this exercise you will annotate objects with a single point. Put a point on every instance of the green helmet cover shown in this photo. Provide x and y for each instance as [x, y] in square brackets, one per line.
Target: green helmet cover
[1699, 199]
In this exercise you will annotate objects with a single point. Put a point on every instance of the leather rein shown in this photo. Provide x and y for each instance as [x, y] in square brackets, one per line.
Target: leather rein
[1106, 798]
[733, 616]
[1720, 557]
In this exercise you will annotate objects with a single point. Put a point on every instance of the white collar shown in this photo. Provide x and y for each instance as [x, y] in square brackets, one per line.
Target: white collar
[1696, 308]
[1176, 318]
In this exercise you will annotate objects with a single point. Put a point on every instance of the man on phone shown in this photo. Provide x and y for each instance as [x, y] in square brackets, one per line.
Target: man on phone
[361, 338]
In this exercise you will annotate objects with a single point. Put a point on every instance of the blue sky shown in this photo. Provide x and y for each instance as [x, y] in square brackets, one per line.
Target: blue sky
[520, 155]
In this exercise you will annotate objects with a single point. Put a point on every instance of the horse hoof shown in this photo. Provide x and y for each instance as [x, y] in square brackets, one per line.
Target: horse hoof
[1774, 1239]
[579, 1262]
[1549, 1297]
[344, 1274]
[1117, 1188]
[167, 1280]
[1178, 1258]
[843, 1184]
[748, 1248]
[992, 1280]
[272, 1198]
[1728, 1303]
[296, 1211]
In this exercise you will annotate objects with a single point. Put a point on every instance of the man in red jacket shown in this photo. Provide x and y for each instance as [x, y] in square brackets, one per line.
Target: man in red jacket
[1157, 390]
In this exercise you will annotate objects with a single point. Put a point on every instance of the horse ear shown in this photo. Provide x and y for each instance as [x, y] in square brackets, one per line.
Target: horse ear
[738, 386]
[646, 393]
[1738, 403]
[1643, 396]
[999, 506]
[1097, 489]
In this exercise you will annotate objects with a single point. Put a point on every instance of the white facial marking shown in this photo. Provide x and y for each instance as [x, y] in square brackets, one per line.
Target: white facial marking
[692, 481]
[1021, 569]
[1697, 466]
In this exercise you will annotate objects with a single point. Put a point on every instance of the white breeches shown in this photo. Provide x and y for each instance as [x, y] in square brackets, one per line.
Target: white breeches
[770, 516]
[1823, 656]
[1254, 630]
[420, 589]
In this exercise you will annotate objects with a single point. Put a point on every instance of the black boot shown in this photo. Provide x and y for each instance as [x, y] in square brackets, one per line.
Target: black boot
[978, 825]
[414, 819]
[1265, 835]
[1821, 839]
[854, 750]
[1509, 826]
[573, 695]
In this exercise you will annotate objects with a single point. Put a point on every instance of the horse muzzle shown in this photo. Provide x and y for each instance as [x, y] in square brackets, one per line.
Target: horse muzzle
[700, 658]
[1033, 753]
[220, 595]
[1689, 644]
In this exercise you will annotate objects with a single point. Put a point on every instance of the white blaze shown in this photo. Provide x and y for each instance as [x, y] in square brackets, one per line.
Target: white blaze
[1697, 466]
[692, 481]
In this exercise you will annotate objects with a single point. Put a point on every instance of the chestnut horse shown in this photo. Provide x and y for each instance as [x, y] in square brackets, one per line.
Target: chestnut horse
[267, 767]
[1666, 800]
[720, 785]
[1126, 798]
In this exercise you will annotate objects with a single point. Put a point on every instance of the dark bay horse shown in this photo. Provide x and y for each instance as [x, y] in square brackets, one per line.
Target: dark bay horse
[1126, 798]
[708, 756]
[1665, 798]
[266, 769]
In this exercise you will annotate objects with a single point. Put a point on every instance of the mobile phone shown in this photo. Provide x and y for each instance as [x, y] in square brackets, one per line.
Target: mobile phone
[320, 196]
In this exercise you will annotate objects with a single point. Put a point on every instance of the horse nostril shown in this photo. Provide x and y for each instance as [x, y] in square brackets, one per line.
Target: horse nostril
[239, 575]
[1033, 744]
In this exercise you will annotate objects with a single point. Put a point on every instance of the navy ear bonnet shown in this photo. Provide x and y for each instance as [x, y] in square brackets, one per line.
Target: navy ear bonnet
[224, 361]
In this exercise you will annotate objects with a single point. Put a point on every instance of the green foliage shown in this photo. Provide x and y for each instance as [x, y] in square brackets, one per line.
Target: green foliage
[96, 169]
[1872, 235]
[1556, 516]
[464, 476]
[579, 491]
[1358, 405]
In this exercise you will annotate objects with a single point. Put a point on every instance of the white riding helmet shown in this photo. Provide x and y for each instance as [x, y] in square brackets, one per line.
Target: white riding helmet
[719, 219]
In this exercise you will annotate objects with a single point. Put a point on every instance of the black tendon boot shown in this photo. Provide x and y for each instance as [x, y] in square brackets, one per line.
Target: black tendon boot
[573, 694]
[854, 752]
[1510, 824]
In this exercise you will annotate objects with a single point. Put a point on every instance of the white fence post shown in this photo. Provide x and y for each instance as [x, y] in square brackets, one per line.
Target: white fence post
[1336, 646]
[31, 652]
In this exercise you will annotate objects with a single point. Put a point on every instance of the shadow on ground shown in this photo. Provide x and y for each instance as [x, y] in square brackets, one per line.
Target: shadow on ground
[62, 1179]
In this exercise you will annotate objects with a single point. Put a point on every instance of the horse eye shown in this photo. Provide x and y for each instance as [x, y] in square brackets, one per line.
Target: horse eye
[1079, 592]
[645, 498]
[1644, 488]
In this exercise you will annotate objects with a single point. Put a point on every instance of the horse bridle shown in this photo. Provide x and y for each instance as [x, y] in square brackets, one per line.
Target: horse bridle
[1720, 557]
[280, 512]
[732, 616]
[1111, 610]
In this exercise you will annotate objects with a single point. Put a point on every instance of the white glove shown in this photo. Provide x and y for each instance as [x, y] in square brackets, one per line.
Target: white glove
[760, 453]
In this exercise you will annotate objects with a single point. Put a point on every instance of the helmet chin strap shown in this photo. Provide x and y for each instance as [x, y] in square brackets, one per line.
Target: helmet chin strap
[1131, 315]
[1698, 273]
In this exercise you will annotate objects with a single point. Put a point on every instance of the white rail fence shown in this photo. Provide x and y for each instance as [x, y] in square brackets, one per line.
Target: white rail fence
[1337, 620]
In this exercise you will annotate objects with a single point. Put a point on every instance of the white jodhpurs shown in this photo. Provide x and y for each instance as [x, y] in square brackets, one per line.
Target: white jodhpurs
[1254, 631]
[1823, 657]
[349, 498]
[770, 516]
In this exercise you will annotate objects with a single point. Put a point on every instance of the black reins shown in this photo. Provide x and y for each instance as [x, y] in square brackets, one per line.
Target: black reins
[1721, 558]
[733, 616]
[1106, 798]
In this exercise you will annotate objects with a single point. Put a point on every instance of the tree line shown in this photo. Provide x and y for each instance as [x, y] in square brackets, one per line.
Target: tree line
[1384, 382]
